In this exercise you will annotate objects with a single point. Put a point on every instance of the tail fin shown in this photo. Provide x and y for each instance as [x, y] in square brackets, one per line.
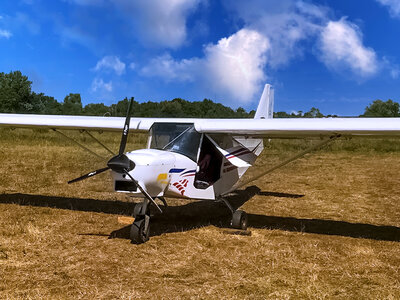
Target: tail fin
[265, 109]
[249, 148]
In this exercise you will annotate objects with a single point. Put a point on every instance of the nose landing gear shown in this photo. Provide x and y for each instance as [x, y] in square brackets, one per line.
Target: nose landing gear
[140, 229]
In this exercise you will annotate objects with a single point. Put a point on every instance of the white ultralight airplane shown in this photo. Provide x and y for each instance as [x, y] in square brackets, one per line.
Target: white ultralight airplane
[198, 158]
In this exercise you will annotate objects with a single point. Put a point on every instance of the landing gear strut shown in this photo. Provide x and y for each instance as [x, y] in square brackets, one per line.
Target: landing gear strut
[140, 229]
[239, 217]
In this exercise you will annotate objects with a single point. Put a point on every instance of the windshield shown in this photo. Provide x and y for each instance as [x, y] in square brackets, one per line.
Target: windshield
[176, 137]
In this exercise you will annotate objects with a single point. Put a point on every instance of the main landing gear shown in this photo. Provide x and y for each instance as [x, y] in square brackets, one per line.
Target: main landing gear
[239, 217]
[239, 220]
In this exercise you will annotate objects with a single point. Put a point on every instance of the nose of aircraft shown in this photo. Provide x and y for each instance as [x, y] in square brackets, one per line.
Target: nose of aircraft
[151, 169]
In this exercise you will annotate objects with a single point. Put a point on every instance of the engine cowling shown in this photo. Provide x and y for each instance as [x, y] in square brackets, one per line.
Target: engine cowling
[151, 172]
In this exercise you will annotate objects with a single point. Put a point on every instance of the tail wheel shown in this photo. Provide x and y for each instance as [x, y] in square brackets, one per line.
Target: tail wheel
[139, 233]
[239, 220]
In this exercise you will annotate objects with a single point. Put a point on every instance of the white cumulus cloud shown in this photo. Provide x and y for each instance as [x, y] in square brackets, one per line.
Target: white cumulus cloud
[166, 67]
[5, 34]
[286, 24]
[393, 5]
[295, 26]
[341, 46]
[110, 63]
[160, 22]
[98, 84]
[236, 64]
[233, 68]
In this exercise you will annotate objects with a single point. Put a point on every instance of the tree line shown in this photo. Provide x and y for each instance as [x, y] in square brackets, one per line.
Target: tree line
[16, 96]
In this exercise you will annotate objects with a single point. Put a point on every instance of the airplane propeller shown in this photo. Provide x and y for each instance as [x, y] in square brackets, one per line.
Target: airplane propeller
[120, 163]
[89, 175]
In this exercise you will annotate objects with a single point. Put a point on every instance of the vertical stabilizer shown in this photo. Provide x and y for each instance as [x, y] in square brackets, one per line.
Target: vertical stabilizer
[250, 146]
[265, 109]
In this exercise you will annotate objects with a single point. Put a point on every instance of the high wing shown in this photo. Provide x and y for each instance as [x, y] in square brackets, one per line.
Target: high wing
[81, 122]
[303, 127]
[268, 128]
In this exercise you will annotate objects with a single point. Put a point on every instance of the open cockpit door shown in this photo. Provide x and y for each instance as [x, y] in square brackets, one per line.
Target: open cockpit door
[209, 164]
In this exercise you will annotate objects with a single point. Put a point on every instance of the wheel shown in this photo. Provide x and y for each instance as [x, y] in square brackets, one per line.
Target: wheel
[138, 232]
[239, 220]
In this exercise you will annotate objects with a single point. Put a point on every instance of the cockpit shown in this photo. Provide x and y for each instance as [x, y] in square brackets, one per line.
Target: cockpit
[181, 138]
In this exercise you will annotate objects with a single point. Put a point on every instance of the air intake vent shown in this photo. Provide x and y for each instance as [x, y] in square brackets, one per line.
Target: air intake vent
[127, 186]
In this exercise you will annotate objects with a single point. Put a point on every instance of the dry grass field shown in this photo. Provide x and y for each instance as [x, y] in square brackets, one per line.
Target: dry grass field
[324, 227]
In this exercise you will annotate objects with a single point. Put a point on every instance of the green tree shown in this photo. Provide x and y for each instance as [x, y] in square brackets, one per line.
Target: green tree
[119, 109]
[313, 113]
[149, 109]
[379, 108]
[72, 104]
[281, 114]
[241, 113]
[45, 104]
[51, 105]
[96, 109]
[172, 109]
[15, 91]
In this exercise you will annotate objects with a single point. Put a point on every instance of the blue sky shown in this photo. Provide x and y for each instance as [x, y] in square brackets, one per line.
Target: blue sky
[337, 55]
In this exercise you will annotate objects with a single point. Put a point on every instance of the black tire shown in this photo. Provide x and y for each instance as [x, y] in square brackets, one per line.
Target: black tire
[138, 234]
[239, 220]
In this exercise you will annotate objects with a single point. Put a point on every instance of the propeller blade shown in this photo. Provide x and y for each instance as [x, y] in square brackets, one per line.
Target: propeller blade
[125, 131]
[143, 191]
[88, 175]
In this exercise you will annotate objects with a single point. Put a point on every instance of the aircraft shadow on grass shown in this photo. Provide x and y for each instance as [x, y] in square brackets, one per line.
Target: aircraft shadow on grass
[202, 213]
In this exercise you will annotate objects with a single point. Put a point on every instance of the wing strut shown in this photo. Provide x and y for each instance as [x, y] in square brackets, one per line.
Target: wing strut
[100, 143]
[289, 160]
[79, 144]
